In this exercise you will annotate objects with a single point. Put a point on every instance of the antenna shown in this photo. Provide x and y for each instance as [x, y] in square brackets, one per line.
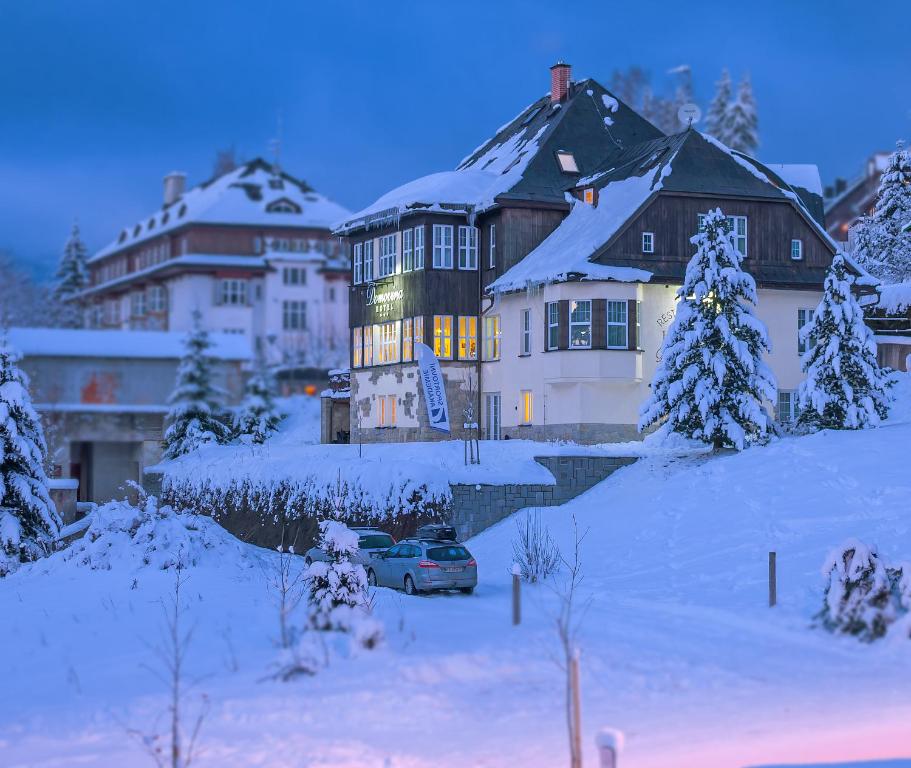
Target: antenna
[276, 144]
[688, 114]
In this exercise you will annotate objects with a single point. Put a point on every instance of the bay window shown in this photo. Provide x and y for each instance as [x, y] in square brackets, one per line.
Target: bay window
[616, 325]
[468, 337]
[419, 247]
[388, 342]
[580, 324]
[442, 336]
[368, 261]
[468, 247]
[442, 246]
[357, 347]
[407, 340]
[387, 255]
[368, 345]
[358, 263]
[553, 325]
[419, 330]
[407, 250]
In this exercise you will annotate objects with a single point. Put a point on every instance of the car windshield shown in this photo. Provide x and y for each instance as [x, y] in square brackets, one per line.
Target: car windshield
[375, 541]
[448, 553]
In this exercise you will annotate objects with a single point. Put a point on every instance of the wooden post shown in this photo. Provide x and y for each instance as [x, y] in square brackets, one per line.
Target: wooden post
[516, 595]
[773, 580]
[576, 756]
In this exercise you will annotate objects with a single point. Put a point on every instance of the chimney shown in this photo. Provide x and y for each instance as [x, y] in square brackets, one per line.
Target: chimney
[559, 81]
[175, 184]
[840, 185]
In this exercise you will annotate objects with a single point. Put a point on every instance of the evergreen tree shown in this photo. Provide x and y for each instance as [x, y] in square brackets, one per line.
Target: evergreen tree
[880, 243]
[72, 277]
[741, 125]
[711, 382]
[195, 415]
[258, 415]
[338, 588]
[28, 519]
[844, 387]
[715, 117]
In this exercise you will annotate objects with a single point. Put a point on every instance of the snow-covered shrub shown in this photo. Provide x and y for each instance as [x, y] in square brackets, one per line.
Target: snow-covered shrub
[711, 382]
[258, 416]
[533, 549]
[863, 596]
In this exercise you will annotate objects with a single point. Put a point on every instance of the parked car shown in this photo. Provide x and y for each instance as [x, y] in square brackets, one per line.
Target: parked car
[437, 531]
[371, 542]
[424, 565]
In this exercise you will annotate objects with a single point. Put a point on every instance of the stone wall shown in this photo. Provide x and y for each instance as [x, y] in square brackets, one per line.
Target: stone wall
[476, 507]
[584, 434]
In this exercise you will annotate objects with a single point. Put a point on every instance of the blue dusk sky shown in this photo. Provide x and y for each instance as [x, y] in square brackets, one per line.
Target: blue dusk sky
[101, 98]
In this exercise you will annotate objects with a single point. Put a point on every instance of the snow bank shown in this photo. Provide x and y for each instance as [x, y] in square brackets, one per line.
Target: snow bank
[895, 298]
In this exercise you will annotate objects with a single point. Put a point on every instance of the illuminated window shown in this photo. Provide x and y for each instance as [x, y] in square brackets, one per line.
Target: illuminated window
[419, 329]
[387, 410]
[387, 255]
[388, 339]
[588, 195]
[368, 261]
[492, 338]
[357, 347]
[407, 250]
[468, 247]
[525, 348]
[368, 345]
[419, 247]
[616, 325]
[407, 340]
[567, 162]
[442, 336]
[553, 325]
[580, 324]
[797, 250]
[527, 406]
[468, 338]
[442, 246]
[648, 242]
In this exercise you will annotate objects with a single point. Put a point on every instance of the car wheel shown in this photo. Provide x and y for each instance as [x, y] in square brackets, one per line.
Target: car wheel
[371, 578]
[409, 586]
[466, 590]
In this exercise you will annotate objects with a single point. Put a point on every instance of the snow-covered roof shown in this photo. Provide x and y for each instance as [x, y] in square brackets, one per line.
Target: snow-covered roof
[895, 298]
[68, 342]
[805, 175]
[246, 196]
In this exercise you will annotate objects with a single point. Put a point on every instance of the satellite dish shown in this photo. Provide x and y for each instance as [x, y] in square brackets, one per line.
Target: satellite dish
[689, 114]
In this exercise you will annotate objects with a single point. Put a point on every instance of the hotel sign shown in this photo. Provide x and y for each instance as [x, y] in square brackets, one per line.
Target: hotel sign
[383, 302]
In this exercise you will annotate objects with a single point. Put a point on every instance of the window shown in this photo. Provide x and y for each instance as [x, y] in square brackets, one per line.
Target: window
[357, 347]
[527, 406]
[158, 298]
[368, 261]
[331, 293]
[419, 247]
[387, 255]
[468, 247]
[294, 276]
[788, 410]
[368, 345]
[294, 315]
[567, 162]
[419, 330]
[580, 324]
[553, 325]
[648, 242]
[588, 195]
[442, 336]
[797, 250]
[387, 405]
[525, 346]
[283, 205]
[492, 338]
[442, 246]
[407, 340]
[737, 225]
[804, 317]
[616, 325]
[388, 337]
[492, 416]
[492, 249]
[138, 304]
[234, 292]
[468, 338]
[407, 250]
[358, 263]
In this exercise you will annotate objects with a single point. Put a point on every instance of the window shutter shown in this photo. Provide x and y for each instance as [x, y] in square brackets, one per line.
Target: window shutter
[563, 328]
[599, 324]
[545, 335]
[632, 324]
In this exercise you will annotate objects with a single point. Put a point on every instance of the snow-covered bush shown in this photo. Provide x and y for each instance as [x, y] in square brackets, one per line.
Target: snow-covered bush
[533, 549]
[712, 381]
[338, 588]
[844, 387]
[863, 596]
[28, 518]
[258, 416]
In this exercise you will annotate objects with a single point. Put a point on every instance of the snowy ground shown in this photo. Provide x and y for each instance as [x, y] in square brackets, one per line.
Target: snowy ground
[679, 649]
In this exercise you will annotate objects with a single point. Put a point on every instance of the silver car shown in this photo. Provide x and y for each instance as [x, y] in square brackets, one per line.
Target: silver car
[424, 565]
[370, 542]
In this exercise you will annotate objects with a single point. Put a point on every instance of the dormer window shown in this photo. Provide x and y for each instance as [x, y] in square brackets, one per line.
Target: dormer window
[151, 223]
[567, 162]
[588, 195]
[182, 212]
[136, 230]
[283, 205]
[123, 236]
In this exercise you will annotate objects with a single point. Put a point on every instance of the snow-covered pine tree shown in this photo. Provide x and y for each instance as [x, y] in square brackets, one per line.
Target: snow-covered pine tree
[195, 415]
[712, 381]
[741, 124]
[717, 111]
[844, 386]
[880, 243]
[28, 519]
[258, 415]
[338, 588]
[72, 276]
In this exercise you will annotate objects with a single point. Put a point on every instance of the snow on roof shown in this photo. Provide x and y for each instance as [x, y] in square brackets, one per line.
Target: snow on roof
[471, 187]
[68, 342]
[569, 248]
[245, 195]
[805, 175]
[895, 298]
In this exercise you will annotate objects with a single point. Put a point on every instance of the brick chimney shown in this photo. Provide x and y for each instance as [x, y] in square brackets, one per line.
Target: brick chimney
[175, 184]
[560, 74]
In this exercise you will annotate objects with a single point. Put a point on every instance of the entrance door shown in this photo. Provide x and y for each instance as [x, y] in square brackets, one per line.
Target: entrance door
[492, 416]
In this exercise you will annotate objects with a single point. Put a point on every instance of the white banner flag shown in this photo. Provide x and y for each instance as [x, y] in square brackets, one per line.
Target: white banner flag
[434, 388]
